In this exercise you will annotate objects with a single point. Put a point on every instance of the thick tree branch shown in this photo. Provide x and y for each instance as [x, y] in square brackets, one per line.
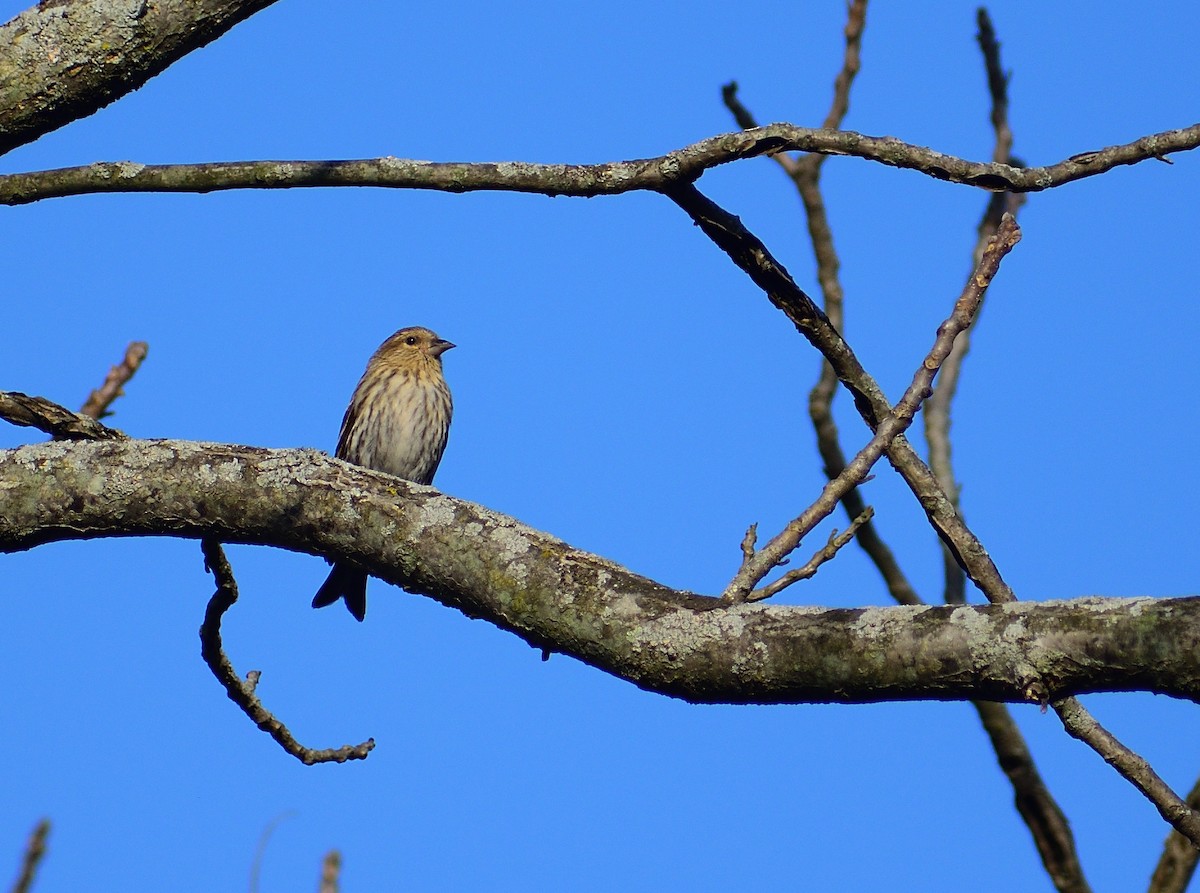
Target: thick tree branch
[676, 643]
[65, 59]
[659, 174]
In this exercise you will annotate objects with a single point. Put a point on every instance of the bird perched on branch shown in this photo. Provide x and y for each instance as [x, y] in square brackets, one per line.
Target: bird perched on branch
[397, 422]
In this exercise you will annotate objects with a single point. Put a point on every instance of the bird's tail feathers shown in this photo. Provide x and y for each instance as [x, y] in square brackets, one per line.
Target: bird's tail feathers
[347, 582]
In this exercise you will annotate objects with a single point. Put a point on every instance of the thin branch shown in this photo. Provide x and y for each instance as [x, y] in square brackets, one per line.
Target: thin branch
[57, 421]
[242, 693]
[659, 174]
[891, 427]
[806, 174]
[260, 851]
[99, 400]
[997, 79]
[331, 869]
[1081, 725]
[937, 410]
[825, 553]
[1047, 824]
[1177, 863]
[751, 255]
[35, 849]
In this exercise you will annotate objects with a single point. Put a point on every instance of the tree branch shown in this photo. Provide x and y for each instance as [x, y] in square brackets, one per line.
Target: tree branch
[1081, 725]
[35, 849]
[832, 546]
[892, 426]
[1177, 863]
[242, 693]
[751, 255]
[65, 59]
[57, 421]
[102, 398]
[611, 178]
[553, 596]
[805, 173]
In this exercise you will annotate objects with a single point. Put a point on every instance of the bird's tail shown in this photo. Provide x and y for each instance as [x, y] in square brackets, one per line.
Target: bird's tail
[347, 582]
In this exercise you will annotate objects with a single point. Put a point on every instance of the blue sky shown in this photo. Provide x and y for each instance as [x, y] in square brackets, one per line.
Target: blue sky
[617, 383]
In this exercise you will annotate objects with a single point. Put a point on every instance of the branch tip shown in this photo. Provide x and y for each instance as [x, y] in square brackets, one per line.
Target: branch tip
[243, 693]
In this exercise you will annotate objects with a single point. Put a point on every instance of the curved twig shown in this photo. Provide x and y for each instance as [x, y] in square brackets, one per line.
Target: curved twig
[242, 693]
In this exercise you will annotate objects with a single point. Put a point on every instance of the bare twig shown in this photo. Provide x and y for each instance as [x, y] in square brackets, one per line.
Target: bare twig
[937, 410]
[829, 550]
[997, 86]
[55, 420]
[611, 178]
[35, 849]
[805, 174]
[1037, 807]
[241, 693]
[1177, 863]
[748, 542]
[891, 427]
[1047, 824]
[102, 398]
[749, 253]
[260, 851]
[331, 869]
[1081, 725]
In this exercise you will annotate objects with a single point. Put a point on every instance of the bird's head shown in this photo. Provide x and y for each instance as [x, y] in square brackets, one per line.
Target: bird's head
[412, 344]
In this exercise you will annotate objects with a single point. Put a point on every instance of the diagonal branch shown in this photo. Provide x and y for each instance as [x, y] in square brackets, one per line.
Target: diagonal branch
[612, 178]
[65, 61]
[833, 545]
[892, 426]
[752, 256]
[102, 398]
[35, 849]
[57, 421]
[1177, 863]
[806, 175]
[1081, 725]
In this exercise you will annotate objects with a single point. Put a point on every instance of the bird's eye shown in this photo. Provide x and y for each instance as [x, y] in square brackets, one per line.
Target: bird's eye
[410, 340]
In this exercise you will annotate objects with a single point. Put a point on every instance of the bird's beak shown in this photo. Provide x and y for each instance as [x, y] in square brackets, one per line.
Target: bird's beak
[440, 347]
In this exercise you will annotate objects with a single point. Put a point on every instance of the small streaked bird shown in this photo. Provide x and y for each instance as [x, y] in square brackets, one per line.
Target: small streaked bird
[396, 422]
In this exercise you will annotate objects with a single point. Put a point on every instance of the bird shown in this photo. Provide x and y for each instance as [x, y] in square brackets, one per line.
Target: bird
[397, 422]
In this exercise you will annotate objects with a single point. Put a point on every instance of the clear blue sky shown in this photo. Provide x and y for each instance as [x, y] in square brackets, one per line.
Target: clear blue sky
[619, 384]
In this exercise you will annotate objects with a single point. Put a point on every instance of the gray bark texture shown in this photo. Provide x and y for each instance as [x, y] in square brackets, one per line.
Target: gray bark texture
[565, 600]
[65, 59]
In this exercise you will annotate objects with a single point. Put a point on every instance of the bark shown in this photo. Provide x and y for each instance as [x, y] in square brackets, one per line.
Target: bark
[65, 59]
[562, 599]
